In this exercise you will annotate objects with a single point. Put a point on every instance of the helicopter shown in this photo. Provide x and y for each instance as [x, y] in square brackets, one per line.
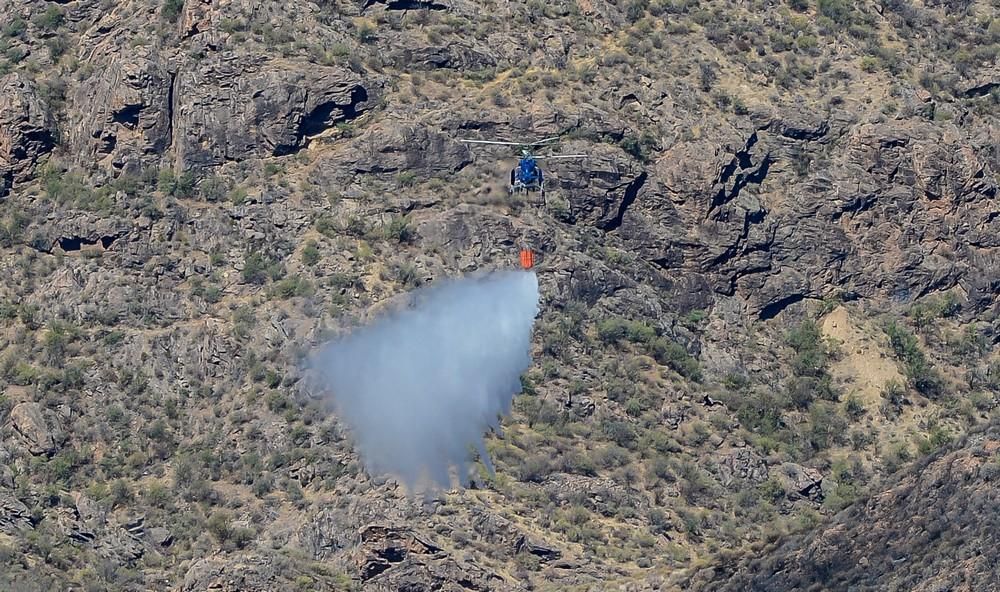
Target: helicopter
[527, 175]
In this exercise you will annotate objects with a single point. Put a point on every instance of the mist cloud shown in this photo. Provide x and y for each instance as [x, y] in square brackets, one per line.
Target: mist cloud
[420, 386]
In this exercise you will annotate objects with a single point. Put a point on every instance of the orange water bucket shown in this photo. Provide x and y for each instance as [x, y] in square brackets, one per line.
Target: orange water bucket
[527, 259]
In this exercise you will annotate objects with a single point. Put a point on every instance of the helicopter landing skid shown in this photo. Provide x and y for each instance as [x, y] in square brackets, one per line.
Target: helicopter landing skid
[521, 188]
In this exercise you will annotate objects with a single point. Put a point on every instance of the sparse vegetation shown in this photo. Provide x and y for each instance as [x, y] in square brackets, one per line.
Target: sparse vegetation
[919, 371]
[163, 348]
[171, 10]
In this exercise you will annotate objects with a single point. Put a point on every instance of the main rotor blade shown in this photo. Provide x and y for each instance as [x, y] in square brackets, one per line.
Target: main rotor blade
[561, 156]
[491, 142]
[552, 139]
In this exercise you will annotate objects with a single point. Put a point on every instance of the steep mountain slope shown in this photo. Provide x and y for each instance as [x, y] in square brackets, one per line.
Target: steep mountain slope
[772, 282]
[925, 533]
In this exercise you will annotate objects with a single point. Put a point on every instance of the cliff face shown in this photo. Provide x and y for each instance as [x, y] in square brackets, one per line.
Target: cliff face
[771, 283]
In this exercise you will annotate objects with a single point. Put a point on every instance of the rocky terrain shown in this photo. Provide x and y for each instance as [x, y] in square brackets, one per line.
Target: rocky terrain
[921, 534]
[769, 291]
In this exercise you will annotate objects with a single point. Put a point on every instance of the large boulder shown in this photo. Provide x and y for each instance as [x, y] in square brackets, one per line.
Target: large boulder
[28, 421]
[394, 558]
[800, 482]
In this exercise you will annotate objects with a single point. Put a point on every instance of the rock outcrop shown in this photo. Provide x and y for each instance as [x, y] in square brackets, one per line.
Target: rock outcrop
[14, 515]
[743, 464]
[123, 115]
[390, 558]
[25, 130]
[28, 421]
[800, 482]
[234, 109]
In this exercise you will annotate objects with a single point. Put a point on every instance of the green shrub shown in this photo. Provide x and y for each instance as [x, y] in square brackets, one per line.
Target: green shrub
[677, 358]
[257, 268]
[171, 10]
[406, 178]
[57, 46]
[366, 33]
[826, 426]
[213, 189]
[839, 11]
[578, 464]
[399, 230]
[535, 468]
[760, 412]
[51, 19]
[15, 28]
[182, 186]
[801, 391]
[310, 253]
[937, 437]
[620, 432]
[291, 287]
[854, 408]
[811, 357]
[611, 456]
[219, 525]
[5, 406]
[407, 275]
[918, 369]
[771, 491]
[66, 187]
[931, 309]
[640, 147]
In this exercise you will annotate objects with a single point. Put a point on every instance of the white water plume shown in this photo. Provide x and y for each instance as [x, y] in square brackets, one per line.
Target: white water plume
[420, 386]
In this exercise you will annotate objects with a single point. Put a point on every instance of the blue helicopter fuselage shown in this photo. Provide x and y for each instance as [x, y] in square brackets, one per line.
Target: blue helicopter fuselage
[528, 172]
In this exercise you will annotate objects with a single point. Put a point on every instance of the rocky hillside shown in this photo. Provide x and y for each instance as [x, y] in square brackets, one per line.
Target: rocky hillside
[925, 533]
[771, 285]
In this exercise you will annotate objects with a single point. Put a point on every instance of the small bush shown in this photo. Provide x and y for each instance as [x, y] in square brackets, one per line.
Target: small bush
[213, 189]
[812, 356]
[937, 437]
[257, 269]
[219, 525]
[826, 426]
[180, 186]
[854, 409]
[51, 19]
[171, 10]
[640, 147]
[838, 11]
[578, 464]
[57, 46]
[5, 406]
[620, 432]
[535, 468]
[760, 412]
[15, 28]
[677, 358]
[918, 369]
[399, 230]
[291, 287]
[310, 253]
[614, 330]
